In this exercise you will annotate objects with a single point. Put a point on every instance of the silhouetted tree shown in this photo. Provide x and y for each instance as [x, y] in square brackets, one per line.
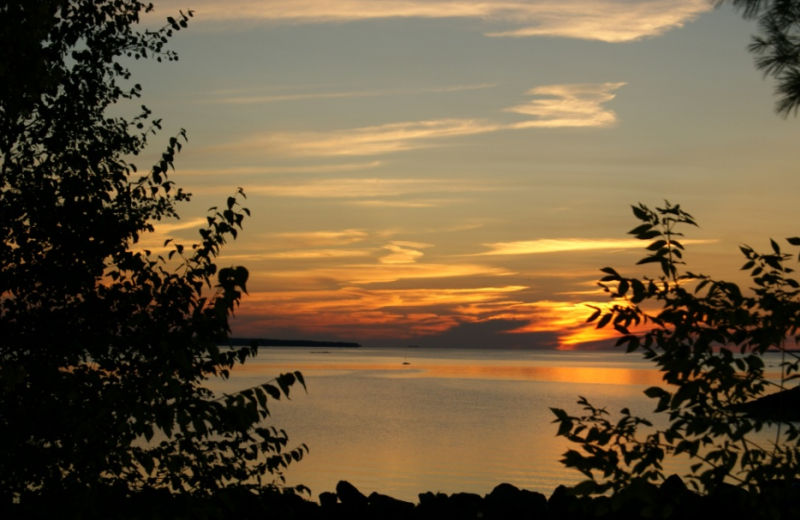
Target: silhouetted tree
[777, 46]
[105, 348]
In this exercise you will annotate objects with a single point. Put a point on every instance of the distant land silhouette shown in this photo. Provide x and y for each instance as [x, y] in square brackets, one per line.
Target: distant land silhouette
[261, 342]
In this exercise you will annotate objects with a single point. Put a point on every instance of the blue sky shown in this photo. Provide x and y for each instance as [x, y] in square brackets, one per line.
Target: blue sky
[454, 173]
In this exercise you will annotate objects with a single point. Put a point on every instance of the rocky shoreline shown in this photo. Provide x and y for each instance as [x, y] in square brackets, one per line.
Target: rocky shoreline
[671, 499]
[641, 500]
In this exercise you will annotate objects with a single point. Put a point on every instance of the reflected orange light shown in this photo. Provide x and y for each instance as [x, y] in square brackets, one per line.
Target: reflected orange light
[424, 368]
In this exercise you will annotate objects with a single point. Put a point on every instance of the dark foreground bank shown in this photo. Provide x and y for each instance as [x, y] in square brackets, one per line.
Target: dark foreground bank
[670, 500]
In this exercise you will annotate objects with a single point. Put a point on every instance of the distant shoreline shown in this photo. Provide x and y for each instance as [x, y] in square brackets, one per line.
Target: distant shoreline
[261, 342]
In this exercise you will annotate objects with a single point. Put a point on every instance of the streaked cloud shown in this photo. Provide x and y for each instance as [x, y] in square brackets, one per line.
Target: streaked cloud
[562, 106]
[254, 98]
[406, 243]
[366, 274]
[316, 254]
[357, 188]
[395, 313]
[604, 20]
[354, 298]
[162, 231]
[320, 238]
[529, 247]
[609, 21]
[167, 228]
[371, 140]
[569, 106]
[416, 203]
[272, 170]
[400, 313]
[400, 254]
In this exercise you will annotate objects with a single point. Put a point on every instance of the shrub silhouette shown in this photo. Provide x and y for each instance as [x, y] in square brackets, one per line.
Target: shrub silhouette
[106, 347]
[707, 337]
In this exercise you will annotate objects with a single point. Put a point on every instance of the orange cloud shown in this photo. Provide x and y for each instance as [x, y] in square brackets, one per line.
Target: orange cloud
[314, 254]
[406, 313]
[319, 238]
[382, 313]
[402, 253]
[164, 230]
[366, 274]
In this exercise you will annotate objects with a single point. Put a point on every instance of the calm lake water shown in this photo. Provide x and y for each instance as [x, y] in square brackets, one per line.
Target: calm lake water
[405, 421]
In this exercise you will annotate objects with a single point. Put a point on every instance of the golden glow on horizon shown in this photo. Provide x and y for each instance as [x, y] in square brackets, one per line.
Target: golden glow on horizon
[380, 313]
[568, 319]
[603, 20]
[401, 313]
[397, 313]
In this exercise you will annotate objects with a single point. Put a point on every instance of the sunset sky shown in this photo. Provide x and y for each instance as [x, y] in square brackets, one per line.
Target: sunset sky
[455, 173]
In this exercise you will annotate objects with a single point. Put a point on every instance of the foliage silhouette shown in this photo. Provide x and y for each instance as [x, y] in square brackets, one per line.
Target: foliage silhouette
[105, 348]
[777, 46]
[707, 338]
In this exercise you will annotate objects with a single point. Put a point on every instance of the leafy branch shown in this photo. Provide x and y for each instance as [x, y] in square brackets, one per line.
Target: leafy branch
[707, 337]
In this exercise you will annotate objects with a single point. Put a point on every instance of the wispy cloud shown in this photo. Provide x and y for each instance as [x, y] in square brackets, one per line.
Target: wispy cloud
[163, 231]
[401, 313]
[604, 20]
[315, 254]
[375, 312]
[402, 253]
[611, 21]
[562, 106]
[366, 274]
[320, 238]
[560, 245]
[569, 106]
[371, 140]
[417, 203]
[370, 299]
[273, 170]
[246, 99]
[358, 188]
